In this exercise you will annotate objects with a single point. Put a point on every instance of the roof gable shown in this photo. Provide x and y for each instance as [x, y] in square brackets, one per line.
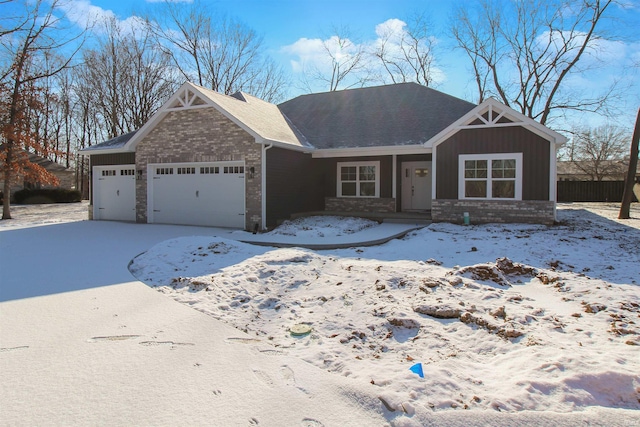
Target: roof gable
[259, 118]
[492, 113]
[391, 115]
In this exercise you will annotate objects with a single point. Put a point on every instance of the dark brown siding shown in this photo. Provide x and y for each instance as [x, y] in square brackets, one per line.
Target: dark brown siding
[535, 158]
[113, 159]
[292, 185]
[328, 173]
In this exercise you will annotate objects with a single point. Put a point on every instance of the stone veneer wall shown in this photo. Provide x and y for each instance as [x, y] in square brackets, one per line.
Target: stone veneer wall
[356, 204]
[200, 135]
[496, 211]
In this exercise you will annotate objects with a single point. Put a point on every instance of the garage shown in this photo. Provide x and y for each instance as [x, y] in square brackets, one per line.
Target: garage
[114, 193]
[207, 194]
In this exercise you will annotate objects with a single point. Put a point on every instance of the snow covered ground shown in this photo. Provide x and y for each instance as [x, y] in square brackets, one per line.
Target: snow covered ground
[512, 324]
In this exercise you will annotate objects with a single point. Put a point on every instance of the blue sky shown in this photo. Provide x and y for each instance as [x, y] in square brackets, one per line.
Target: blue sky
[291, 29]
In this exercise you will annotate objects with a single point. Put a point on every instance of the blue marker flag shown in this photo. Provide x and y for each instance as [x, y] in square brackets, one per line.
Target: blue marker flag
[417, 369]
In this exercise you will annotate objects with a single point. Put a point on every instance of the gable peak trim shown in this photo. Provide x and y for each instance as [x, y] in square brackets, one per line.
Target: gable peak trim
[187, 98]
[492, 115]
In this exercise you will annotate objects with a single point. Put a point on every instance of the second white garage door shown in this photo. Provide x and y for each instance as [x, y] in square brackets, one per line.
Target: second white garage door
[209, 194]
[114, 193]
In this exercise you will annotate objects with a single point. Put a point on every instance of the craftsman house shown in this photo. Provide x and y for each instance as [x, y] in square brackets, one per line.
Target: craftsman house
[237, 161]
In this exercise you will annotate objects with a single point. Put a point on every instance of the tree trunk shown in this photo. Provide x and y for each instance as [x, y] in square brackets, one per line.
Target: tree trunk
[625, 207]
[10, 143]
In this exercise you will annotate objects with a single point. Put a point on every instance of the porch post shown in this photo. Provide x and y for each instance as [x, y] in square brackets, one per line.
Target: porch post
[394, 173]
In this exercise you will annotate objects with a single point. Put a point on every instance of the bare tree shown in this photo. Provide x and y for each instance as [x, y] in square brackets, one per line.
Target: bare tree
[406, 53]
[34, 35]
[125, 79]
[599, 152]
[342, 66]
[524, 56]
[627, 196]
[219, 53]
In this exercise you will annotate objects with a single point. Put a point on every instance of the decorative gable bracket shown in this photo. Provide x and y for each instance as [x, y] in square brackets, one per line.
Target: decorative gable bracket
[186, 99]
[492, 116]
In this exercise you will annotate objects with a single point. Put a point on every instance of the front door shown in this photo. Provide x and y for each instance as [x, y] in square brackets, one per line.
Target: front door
[416, 186]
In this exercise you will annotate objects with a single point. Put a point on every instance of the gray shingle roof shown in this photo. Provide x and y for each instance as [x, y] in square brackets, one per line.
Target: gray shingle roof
[117, 142]
[399, 114]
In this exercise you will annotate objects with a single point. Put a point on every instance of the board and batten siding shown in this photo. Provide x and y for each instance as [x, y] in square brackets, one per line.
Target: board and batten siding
[293, 185]
[113, 159]
[535, 158]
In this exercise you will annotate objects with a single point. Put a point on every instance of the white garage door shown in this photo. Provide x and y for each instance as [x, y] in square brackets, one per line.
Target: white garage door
[114, 193]
[209, 194]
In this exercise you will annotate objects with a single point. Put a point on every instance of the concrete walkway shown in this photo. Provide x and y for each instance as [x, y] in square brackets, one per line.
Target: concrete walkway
[368, 237]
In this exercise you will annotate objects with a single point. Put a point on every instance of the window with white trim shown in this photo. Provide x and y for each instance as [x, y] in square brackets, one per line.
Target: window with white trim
[490, 176]
[358, 179]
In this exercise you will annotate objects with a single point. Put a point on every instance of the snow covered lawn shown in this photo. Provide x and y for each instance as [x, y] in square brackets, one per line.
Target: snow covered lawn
[501, 317]
[512, 325]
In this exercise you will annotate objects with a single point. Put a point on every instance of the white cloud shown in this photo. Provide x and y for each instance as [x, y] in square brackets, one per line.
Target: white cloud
[312, 53]
[390, 26]
[305, 51]
[86, 15]
[392, 32]
[598, 51]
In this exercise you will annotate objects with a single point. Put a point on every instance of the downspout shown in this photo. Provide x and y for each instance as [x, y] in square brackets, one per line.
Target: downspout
[263, 190]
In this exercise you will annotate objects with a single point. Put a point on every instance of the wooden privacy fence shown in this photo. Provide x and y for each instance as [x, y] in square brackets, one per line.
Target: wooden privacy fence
[591, 191]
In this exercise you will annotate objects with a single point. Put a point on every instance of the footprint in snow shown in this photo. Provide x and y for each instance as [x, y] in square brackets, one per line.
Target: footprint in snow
[289, 378]
[310, 422]
[241, 340]
[271, 352]
[169, 343]
[264, 377]
[287, 375]
[5, 349]
[113, 338]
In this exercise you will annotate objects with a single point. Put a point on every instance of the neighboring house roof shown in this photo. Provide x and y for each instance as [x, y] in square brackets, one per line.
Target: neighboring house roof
[392, 115]
[49, 165]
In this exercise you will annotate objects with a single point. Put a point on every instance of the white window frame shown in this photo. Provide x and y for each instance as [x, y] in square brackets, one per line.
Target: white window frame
[489, 157]
[357, 165]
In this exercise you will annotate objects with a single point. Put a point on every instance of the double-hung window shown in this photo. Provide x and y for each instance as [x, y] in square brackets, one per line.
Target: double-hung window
[359, 179]
[490, 176]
